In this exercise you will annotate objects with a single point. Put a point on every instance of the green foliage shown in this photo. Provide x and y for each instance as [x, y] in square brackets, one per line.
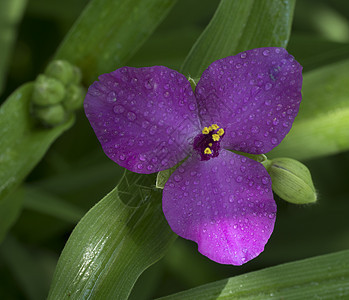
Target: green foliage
[23, 142]
[323, 277]
[114, 243]
[238, 26]
[125, 233]
[321, 127]
[109, 32]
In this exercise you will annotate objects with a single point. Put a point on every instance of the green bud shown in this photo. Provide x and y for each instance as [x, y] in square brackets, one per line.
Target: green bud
[51, 115]
[64, 72]
[74, 97]
[291, 180]
[47, 91]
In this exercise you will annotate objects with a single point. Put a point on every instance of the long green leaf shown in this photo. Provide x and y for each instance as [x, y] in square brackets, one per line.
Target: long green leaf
[11, 12]
[10, 208]
[322, 126]
[26, 267]
[114, 243]
[240, 25]
[109, 32]
[322, 277]
[23, 142]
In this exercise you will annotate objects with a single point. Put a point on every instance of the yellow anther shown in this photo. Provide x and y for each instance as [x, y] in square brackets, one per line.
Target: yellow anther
[210, 128]
[205, 131]
[215, 137]
[210, 144]
[220, 132]
[207, 151]
[215, 126]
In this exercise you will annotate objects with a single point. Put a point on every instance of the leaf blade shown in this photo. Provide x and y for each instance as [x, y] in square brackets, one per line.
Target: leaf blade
[238, 26]
[325, 276]
[109, 32]
[113, 244]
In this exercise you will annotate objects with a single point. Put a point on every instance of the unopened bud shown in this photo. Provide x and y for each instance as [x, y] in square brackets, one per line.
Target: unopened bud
[291, 180]
[74, 97]
[47, 91]
[64, 72]
[51, 115]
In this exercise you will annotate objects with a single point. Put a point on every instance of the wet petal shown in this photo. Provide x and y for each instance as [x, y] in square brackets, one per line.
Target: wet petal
[254, 95]
[144, 118]
[224, 204]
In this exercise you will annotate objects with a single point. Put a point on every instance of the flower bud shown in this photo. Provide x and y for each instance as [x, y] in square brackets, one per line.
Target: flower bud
[64, 72]
[50, 115]
[74, 97]
[47, 91]
[291, 180]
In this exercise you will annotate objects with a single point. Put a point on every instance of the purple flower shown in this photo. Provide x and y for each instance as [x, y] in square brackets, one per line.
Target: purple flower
[148, 120]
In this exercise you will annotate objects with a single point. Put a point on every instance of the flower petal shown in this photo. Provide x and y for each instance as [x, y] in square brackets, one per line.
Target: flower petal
[224, 204]
[254, 96]
[144, 118]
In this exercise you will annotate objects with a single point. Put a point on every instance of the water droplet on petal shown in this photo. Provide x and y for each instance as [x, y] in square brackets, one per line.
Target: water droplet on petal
[118, 109]
[265, 180]
[238, 179]
[274, 141]
[131, 116]
[243, 55]
[111, 97]
[266, 52]
[177, 178]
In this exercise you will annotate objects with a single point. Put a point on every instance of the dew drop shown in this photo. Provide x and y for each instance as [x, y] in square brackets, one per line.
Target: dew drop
[177, 178]
[258, 144]
[265, 180]
[192, 106]
[131, 116]
[122, 157]
[153, 129]
[239, 179]
[140, 166]
[266, 52]
[254, 129]
[118, 109]
[268, 86]
[274, 141]
[141, 157]
[243, 55]
[111, 97]
[267, 102]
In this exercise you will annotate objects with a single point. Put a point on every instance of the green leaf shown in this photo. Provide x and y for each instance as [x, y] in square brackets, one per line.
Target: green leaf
[109, 32]
[321, 127]
[114, 243]
[26, 267]
[11, 12]
[313, 51]
[322, 277]
[23, 142]
[46, 203]
[238, 26]
[10, 208]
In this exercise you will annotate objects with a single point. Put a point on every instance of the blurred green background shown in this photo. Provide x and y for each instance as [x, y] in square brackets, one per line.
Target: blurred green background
[75, 174]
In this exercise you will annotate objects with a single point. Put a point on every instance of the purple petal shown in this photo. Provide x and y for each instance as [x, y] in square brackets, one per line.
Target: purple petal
[254, 96]
[224, 204]
[144, 118]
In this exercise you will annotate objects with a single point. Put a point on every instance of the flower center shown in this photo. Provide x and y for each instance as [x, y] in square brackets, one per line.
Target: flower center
[207, 143]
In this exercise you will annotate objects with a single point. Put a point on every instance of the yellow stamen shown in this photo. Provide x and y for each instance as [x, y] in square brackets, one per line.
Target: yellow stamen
[210, 144]
[210, 128]
[220, 132]
[208, 151]
[215, 137]
[215, 126]
[205, 131]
